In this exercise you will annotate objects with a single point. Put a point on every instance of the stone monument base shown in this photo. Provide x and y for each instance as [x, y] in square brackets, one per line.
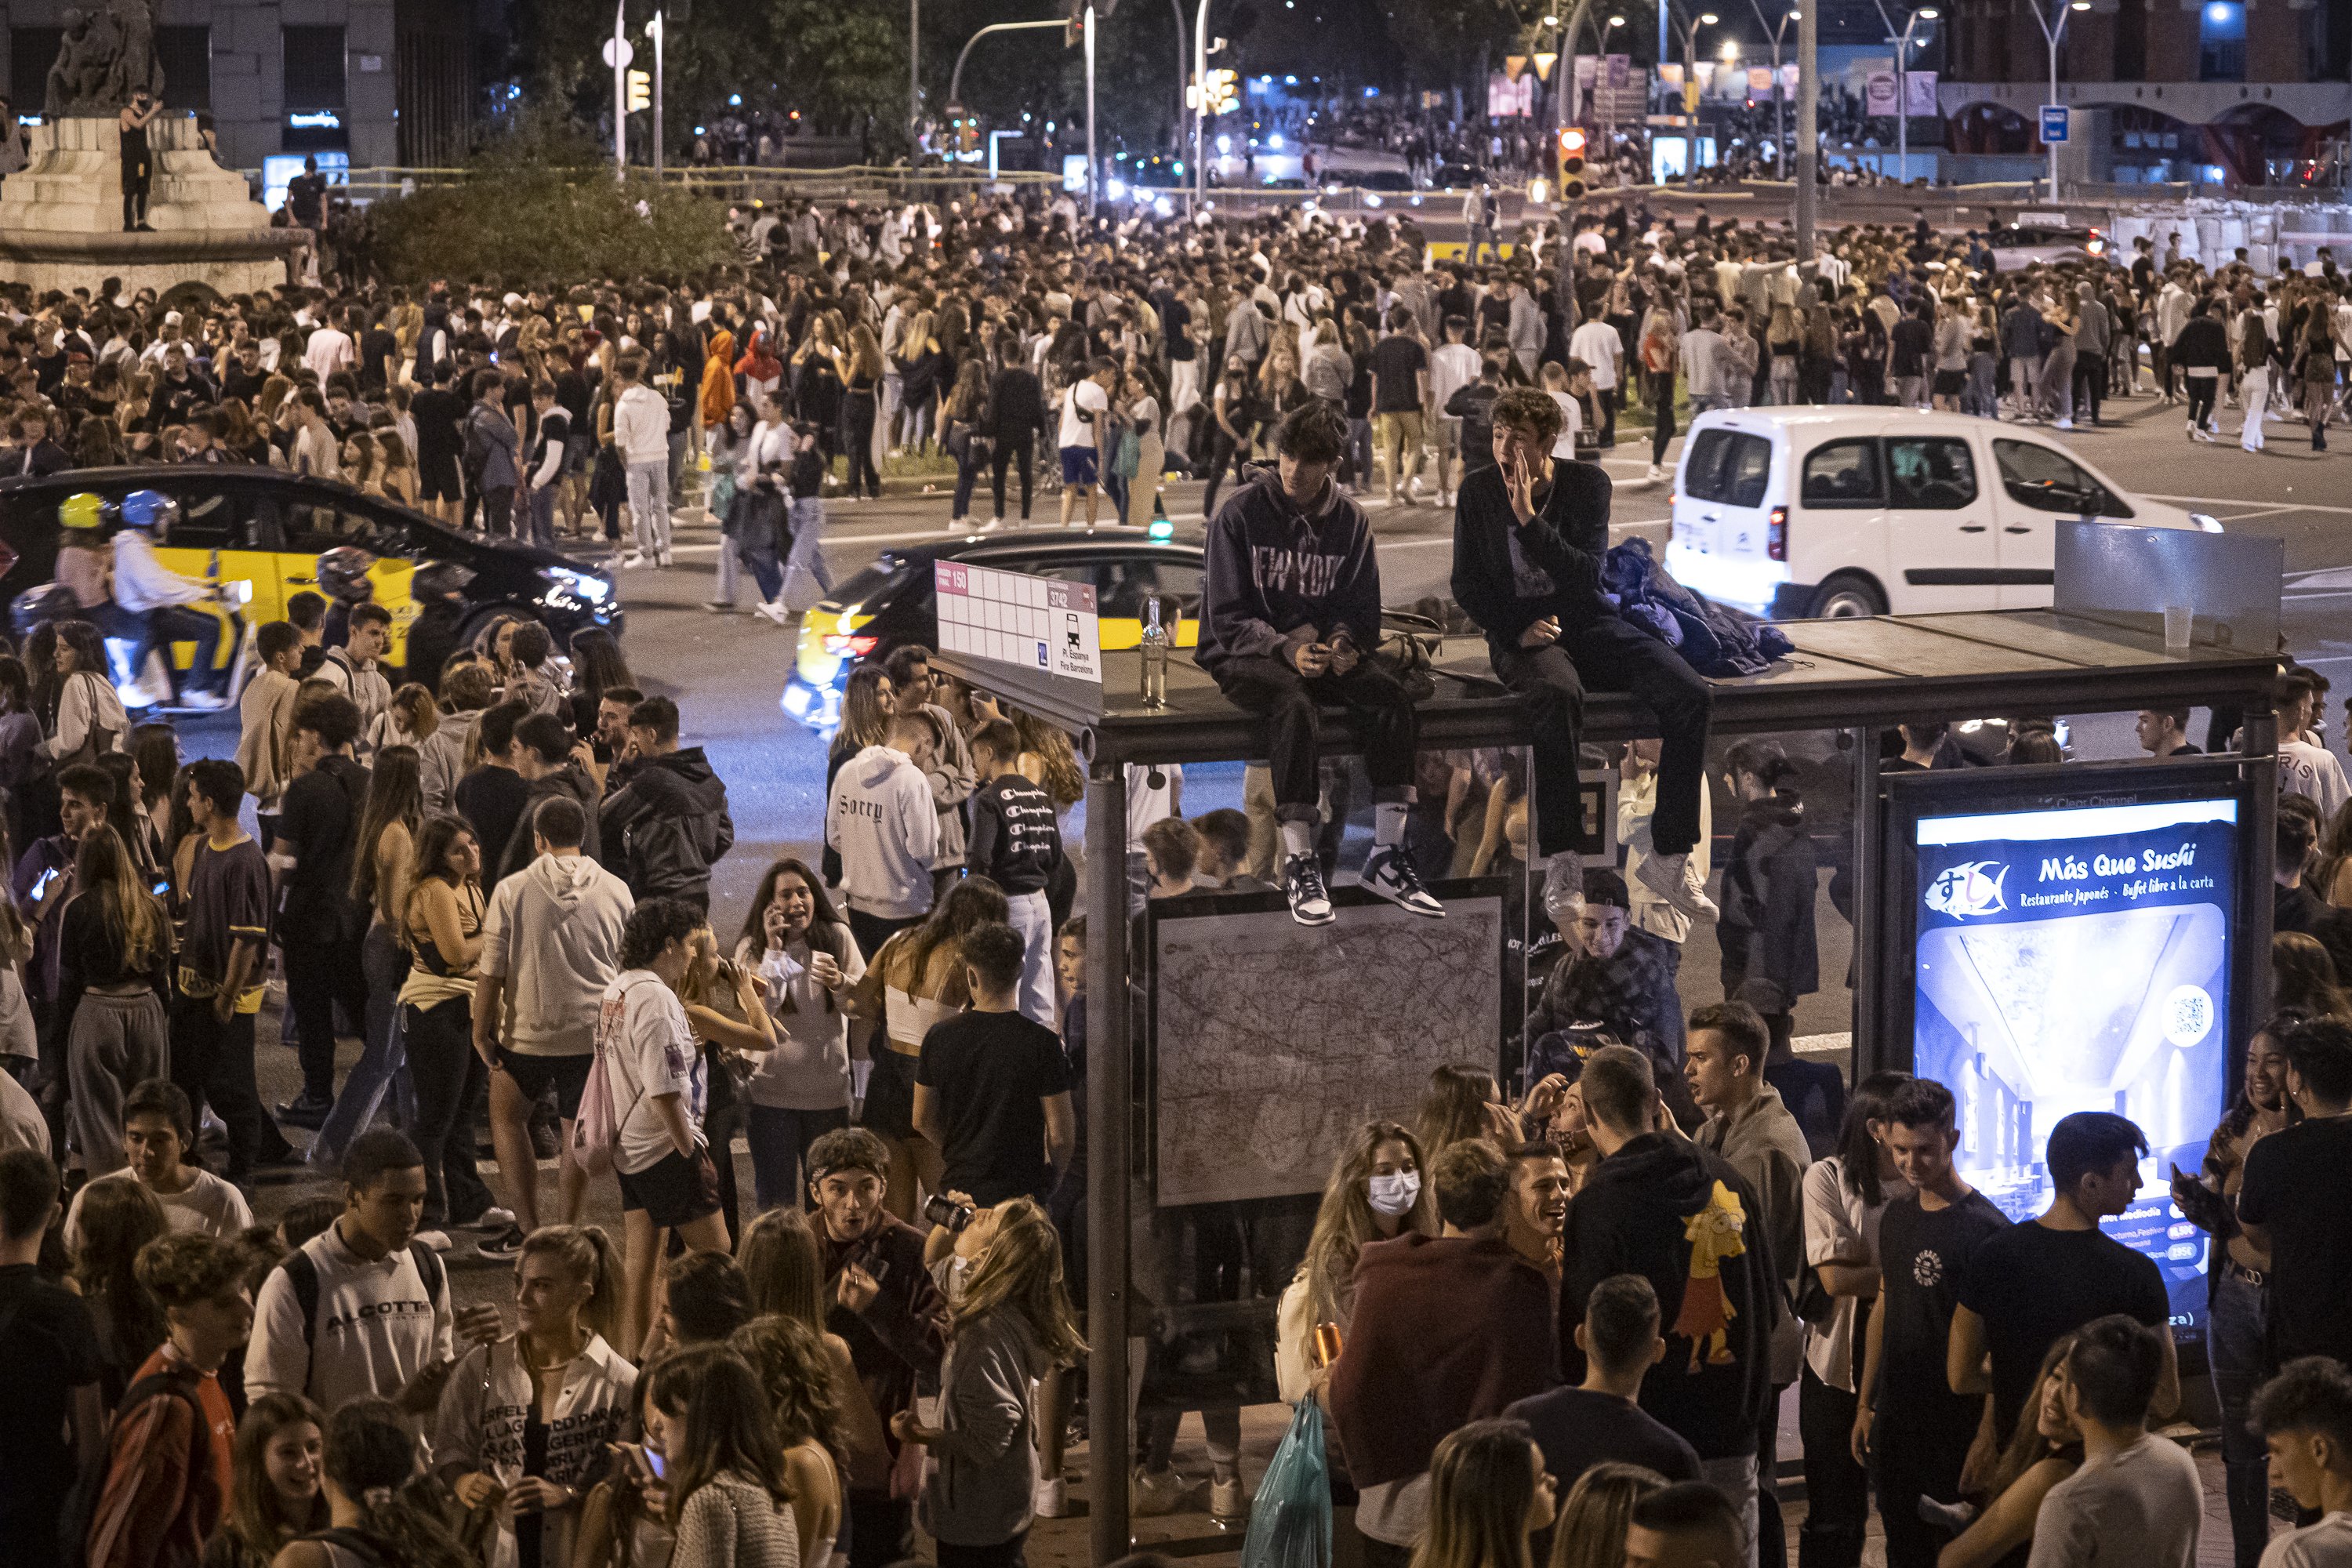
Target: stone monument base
[61, 216]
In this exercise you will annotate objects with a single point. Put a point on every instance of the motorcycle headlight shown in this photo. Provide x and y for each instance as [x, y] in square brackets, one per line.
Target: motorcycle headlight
[562, 582]
[2206, 520]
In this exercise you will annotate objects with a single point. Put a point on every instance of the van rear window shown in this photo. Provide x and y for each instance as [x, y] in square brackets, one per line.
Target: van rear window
[1728, 467]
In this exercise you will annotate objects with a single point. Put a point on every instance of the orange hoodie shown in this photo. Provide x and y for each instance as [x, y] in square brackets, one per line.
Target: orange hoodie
[719, 378]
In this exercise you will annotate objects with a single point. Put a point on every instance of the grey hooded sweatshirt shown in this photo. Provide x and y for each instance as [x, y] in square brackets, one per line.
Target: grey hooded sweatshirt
[553, 932]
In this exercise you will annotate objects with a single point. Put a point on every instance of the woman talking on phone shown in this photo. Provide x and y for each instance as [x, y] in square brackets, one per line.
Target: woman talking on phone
[793, 940]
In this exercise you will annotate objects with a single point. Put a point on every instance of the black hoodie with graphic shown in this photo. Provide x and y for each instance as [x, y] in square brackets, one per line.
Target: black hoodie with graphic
[663, 830]
[1683, 1219]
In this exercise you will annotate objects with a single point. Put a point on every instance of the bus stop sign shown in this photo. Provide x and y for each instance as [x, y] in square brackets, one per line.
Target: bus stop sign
[2053, 123]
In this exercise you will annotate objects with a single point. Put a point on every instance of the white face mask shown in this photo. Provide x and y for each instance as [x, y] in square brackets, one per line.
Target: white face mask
[1394, 1195]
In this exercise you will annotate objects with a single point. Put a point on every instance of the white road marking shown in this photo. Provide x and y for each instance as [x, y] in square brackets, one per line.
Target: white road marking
[2268, 505]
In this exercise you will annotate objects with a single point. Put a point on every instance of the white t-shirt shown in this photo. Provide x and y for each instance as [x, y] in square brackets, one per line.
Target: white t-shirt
[1598, 346]
[1572, 420]
[1451, 368]
[330, 349]
[2327, 1545]
[208, 1206]
[1082, 395]
[2308, 770]
[647, 1050]
[1840, 1226]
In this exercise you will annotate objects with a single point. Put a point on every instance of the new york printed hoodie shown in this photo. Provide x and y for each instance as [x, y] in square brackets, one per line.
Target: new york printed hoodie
[1274, 570]
[882, 822]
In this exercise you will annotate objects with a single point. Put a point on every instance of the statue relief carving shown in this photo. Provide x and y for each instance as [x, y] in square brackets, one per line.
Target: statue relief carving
[108, 54]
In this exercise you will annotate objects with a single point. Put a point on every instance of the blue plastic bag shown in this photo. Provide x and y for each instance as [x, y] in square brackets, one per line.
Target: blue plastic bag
[1290, 1523]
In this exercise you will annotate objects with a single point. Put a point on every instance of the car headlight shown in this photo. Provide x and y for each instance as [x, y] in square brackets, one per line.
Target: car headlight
[562, 584]
[2206, 520]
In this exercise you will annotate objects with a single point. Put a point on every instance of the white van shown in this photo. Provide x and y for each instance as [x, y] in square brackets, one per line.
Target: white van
[1857, 511]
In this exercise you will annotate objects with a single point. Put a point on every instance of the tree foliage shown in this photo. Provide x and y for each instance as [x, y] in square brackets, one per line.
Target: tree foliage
[842, 63]
[543, 206]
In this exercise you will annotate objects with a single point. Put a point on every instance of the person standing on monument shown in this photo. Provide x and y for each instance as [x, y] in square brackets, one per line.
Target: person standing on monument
[138, 163]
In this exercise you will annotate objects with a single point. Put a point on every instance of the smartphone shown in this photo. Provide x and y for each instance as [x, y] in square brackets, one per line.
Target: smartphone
[41, 888]
[654, 1462]
[162, 886]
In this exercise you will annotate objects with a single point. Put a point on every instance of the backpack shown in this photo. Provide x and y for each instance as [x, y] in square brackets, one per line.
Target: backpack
[79, 1514]
[596, 1133]
[302, 1272]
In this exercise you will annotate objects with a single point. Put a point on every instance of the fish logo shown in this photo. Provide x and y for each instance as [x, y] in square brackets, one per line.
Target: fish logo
[1969, 892]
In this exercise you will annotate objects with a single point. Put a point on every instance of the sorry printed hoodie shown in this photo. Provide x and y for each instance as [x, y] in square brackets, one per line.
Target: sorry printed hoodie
[1274, 570]
[882, 822]
[555, 928]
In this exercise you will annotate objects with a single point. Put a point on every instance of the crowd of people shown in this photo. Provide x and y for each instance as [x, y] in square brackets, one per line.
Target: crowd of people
[495, 876]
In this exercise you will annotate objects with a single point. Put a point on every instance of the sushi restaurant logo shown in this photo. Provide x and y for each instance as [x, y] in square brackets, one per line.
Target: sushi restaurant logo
[1969, 892]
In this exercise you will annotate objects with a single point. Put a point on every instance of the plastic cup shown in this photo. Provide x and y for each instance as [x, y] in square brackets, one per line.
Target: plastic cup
[2178, 619]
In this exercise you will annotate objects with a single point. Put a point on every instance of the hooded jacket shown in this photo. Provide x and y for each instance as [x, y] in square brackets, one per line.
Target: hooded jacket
[719, 378]
[1683, 1219]
[880, 819]
[984, 1468]
[441, 760]
[554, 927]
[641, 425]
[1770, 956]
[570, 782]
[1444, 1330]
[1274, 570]
[666, 827]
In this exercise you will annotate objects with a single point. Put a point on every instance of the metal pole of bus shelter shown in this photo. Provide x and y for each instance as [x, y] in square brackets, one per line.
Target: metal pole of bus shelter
[1868, 1053]
[2258, 743]
[1108, 1095]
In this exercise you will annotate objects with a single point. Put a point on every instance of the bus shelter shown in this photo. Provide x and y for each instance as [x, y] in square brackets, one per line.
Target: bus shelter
[1855, 678]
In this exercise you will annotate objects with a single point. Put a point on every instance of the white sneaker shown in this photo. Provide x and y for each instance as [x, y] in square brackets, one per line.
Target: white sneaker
[632, 560]
[1150, 1496]
[2064, 425]
[662, 560]
[773, 611]
[1228, 1504]
[1656, 473]
[996, 523]
[1389, 872]
[1052, 1497]
[438, 1240]
[1302, 885]
[203, 702]
[1563, 891]
[495, 1219]
[1674, 878]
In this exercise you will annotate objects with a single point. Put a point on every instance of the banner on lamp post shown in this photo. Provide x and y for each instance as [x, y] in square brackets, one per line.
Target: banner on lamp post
[1878, 97]
[1919, 95]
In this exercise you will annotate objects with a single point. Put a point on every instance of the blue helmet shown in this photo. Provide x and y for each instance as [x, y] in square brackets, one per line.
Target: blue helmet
[148, 509]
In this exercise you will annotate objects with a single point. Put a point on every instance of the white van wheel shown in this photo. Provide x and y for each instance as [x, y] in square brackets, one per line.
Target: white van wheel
[1846, 597]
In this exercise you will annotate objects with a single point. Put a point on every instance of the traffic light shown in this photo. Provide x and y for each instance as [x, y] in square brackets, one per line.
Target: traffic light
[1571, 163]
[641, 90]
[968, 133]
[1221, 93]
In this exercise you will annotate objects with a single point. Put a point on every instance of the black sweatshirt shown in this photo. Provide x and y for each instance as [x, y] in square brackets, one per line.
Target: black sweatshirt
[1274, 569]
[1014, 839]
[1565, 543]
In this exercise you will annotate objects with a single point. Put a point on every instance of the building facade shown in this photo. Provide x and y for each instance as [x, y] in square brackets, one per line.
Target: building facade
[2237, 92]
[355, 83]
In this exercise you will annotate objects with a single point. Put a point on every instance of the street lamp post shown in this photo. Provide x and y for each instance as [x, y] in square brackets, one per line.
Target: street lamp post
[914, 65]
[2053, 36]
[619, 58]
[1094, 180]
[1690, 81]
[1779, 131]
[655, 30]
[1902, 42]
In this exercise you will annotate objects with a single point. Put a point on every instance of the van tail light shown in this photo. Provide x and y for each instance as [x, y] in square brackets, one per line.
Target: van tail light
[1776, 534]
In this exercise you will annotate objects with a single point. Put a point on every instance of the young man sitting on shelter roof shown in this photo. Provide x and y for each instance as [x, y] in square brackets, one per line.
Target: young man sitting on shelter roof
[1529, 537]
[1290, 619]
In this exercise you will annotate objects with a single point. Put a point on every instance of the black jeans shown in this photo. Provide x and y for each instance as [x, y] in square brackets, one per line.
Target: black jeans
[1025, 453]
[449, 1077]
[1610, 654]
[970, 457]
[2090, 386]
[881, 1530]
[317, 975]
[170, 624]
[873, 930]
[498, 511]
[858, 435]
[1004, 1554]
[1223, 451]
[1376, 709]
[2202, 392]
[1605, 399]
[1837, 1490]
[1915, 1457]
[1662, 403]
[213, 1062]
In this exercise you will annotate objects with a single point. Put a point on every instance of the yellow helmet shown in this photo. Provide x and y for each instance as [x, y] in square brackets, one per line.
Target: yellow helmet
[80, 510]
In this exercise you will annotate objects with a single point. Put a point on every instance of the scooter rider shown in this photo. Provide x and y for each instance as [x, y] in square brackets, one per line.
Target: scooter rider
[146, 587]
